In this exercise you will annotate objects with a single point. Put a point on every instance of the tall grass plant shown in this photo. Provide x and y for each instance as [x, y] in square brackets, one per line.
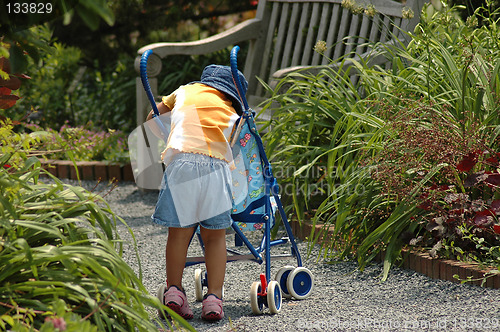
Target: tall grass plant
[61, 264]
[362, 157]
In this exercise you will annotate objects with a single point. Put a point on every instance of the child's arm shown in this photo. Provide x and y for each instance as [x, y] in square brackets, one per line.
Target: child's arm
[162, 109]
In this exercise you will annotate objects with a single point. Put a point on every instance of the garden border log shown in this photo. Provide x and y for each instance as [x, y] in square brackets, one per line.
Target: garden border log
[88, 170]
[420, 261]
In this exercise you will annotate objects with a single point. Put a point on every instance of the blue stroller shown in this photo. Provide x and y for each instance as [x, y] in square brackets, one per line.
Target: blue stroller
[255, 204]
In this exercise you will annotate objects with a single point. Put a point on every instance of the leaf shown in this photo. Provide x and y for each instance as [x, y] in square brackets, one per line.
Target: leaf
[496, 228]
[492, 161]
[8, 319]
[495, 206]
[468, 162]
[493, 179]
[12, 83]
[87, 16]
[91, 11]
[483, 218]
[8, 101]
[100, 8]
[473, 179]
[18, 61]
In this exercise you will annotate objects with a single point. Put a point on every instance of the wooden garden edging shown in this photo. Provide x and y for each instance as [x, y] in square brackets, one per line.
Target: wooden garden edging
[417, 261]
[89, 170]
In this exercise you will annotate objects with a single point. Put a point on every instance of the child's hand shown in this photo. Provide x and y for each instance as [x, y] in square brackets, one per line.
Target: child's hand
[162, 109]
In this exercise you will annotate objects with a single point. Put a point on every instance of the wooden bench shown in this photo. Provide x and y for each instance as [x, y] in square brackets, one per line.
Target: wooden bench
[283, 34]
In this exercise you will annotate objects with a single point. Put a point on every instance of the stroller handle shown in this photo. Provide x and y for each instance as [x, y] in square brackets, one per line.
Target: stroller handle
[145, 83]
[234, 71]
[144, 80]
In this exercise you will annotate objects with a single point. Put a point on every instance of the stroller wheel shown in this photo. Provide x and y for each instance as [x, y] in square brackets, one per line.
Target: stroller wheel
[255, 300]
[160, 294]
[274, 297]
[300, 283]
[198, 284]
[281, 278]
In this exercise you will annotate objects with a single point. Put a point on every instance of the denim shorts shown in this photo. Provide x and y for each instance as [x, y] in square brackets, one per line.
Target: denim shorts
[196, 189]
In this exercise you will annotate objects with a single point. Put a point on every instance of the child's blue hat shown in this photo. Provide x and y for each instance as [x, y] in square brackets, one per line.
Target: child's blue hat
[221, 78]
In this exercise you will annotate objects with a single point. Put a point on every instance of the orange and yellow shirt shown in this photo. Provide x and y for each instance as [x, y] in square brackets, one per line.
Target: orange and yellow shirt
[202, 119]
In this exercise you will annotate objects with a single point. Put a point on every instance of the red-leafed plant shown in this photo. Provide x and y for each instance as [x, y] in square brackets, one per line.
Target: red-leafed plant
[463, 218]
[8, 83]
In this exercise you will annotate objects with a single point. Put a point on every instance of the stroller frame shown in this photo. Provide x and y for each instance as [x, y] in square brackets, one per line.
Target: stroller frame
[290, 281]
[271, 188]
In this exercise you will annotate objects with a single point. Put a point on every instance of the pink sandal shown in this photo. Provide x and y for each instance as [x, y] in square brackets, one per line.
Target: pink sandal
[176, 300]
[212, 308]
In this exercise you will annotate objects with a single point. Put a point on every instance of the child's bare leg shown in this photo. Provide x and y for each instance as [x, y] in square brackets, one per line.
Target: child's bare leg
[215, 258]
[176, 252]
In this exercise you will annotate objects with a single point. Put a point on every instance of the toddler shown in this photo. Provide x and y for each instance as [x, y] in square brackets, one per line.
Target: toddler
[196, 185]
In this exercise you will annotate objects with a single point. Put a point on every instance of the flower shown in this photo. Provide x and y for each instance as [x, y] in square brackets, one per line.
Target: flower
[348, 4]
[58, 322]
[352, 6]
[356, 10]
[320, 47]
[408, 13]
[471, 22]
[370, 11]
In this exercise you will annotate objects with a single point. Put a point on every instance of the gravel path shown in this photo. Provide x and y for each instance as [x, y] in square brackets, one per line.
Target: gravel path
[343, 299]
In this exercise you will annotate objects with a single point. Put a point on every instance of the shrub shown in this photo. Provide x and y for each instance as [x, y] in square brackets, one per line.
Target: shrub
[393, 140]
[81, 144]
[64, 89]
[61, 262]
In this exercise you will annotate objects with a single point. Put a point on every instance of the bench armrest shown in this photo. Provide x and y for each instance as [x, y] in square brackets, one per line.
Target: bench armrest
[247, 30]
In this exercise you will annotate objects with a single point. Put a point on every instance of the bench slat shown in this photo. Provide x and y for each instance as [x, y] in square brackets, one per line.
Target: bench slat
[344, 24]
[292, 37]
[387, 7]
[353, 32]
[267, 47]
[363, 36]
[310, 34]
[298, 48]
[332, 33]
[280, 38]
[323, 27]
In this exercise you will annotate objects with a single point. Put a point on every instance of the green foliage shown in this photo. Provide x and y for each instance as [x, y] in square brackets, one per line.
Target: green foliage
[372, 149]
[15, 145]
[140, 22]
[61, 259]
[179, 70]
[62, 90]
[91, 78]
[23, 43]
[51, 77]
[58, 318]
[106, 98]
[467, 8]
[80, 144]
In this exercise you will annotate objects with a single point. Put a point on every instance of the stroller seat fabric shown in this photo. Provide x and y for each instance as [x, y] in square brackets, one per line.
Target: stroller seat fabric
[249, 196]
